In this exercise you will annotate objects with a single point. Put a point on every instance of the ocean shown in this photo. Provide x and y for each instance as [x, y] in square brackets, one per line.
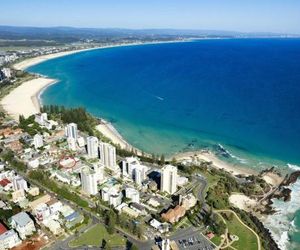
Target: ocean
[239, 96]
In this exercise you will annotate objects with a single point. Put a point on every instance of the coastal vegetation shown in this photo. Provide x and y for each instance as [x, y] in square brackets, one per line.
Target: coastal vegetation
[84, 120]
[114, 219]
[221, 185]
[62, 190]
[31, 127]
[246, 238]
[5, 214]
[9, 156]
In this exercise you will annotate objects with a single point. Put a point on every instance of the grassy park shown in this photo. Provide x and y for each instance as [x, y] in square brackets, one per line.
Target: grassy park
[247, 239]
[95, 236]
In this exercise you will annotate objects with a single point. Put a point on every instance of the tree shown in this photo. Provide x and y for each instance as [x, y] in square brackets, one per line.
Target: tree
[111, 222]
[162, 159]
[173, 162]
[134, 247]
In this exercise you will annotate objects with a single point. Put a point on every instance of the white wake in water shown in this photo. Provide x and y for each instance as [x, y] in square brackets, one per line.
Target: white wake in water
[282, 222]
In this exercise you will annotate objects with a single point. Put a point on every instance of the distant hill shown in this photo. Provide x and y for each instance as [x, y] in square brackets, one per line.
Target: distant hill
[70, 34]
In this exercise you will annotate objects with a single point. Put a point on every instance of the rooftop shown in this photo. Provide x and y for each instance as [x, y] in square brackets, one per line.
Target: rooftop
[22, 219]
[3, 229]
[7, 234]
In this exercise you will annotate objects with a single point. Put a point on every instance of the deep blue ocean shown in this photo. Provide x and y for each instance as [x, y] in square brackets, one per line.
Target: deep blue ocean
[165, 98]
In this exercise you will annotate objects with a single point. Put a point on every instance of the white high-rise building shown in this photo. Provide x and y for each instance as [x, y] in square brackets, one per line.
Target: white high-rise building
[89, 181]
[99, 170]
[71, 131]
[132, 168]
[92, 146]
[38, 141]
[108, 155]
[139, 175]
[112, 195]
[71, 144]
[168, 181]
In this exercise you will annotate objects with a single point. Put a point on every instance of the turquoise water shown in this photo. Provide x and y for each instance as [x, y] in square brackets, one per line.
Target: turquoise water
[241, 93]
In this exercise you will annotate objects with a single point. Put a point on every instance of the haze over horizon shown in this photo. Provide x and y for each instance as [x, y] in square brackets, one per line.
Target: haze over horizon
[231, 15]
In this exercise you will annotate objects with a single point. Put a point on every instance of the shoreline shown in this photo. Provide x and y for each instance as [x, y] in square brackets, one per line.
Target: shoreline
[28, 62]
[109, 131]
[15, 108]
[23, 100]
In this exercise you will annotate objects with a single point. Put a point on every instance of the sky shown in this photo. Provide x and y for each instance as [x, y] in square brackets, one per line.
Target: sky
[281, 16]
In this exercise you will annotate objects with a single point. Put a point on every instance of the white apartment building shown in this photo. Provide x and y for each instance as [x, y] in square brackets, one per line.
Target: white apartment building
[132, 168]
[23, 224]
[99, 170]
[6, 72]
[168, 181]
[9, 239]
[92, 146]
[132, 194]
[38, 141]
[89, 181]
[41, 118]
[71, 144]
[108, 155]
[72, 131]
[19, 183]
[112, 195]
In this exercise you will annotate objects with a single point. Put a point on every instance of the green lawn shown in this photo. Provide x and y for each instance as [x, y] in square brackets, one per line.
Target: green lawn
[216, 240]
[247, 240]
[94, 237]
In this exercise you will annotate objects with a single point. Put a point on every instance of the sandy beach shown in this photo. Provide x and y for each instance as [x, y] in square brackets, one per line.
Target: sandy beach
[204, 155]
[242, 201]
[39, 59]
[23, 100]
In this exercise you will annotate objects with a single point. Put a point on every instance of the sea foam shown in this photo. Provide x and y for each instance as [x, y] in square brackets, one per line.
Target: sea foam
[281, 223]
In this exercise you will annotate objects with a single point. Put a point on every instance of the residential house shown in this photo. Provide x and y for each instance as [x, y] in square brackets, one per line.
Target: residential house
[23, 224]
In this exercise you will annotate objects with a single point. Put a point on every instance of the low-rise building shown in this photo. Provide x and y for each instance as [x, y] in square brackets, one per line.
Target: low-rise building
[53, 226]
[73, 219]
[44, 199]
[132, 194]
[34, 191]
[188, 201]
[129, 211]
[41, 212]
[23, 224]
[138, 208]
[153, 202]
[33, 163]
[174, 214]
[161, 227]
[9, 239]
[18, 195]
